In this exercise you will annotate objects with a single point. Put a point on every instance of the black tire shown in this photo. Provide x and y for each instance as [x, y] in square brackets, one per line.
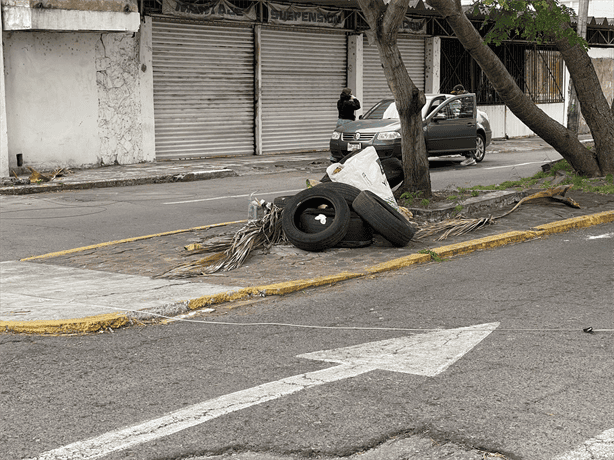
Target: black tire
[393, 169]
[359, 233]
[349, 192]
[384, 219]
[281, 201]
[313, 198]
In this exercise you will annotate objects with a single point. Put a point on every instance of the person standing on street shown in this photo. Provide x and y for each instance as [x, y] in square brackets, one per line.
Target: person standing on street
[470, 159]
[346, 106]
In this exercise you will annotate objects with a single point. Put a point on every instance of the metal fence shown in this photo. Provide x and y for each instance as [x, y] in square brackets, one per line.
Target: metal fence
[537, 70]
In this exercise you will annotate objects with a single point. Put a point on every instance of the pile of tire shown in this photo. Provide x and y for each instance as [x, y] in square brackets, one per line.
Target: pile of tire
[333, 214]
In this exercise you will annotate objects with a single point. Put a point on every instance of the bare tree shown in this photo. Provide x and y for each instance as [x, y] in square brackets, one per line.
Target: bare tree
[598, 114]
[385, 19]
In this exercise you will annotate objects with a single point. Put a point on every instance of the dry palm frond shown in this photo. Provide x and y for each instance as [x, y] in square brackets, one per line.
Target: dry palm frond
[258, 234]
[549, 193]
[453, 227]
[460, 226]
[36, 176]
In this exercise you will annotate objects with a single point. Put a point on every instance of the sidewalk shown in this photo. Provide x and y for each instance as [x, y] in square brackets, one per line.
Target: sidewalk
[113, 284]
[211, 168]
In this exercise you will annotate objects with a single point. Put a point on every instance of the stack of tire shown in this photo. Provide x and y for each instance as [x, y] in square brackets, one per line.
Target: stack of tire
[333, 214]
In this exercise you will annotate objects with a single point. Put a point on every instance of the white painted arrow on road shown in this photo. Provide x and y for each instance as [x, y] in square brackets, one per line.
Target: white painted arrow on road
[422, 354]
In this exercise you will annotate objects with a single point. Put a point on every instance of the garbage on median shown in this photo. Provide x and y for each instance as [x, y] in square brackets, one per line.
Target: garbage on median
[332, 214]
[460, 226]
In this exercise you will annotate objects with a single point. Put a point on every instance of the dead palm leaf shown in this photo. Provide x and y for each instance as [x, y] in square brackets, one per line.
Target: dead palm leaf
[262, 233]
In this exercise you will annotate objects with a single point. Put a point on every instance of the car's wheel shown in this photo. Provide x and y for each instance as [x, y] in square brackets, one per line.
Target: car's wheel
[384, 219]
[313, 198]
[359, 233]
[480, 148]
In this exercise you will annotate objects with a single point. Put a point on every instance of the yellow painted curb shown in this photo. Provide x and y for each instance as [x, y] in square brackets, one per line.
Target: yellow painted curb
[488, 242]
[576, 222]
[286, 287]
[396, 264]
[127, 240]
[116, 320]
[66, 326]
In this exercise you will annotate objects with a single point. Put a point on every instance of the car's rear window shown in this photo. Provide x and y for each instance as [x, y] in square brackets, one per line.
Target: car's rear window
[382, 110]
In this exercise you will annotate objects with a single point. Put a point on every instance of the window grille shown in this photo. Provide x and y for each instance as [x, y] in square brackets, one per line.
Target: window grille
[537, 70]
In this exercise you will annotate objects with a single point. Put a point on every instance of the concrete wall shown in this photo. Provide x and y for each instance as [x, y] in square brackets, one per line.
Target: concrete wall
[505, 124]
[51, 98]
[74, 99]
[4, 147]
[603, 61]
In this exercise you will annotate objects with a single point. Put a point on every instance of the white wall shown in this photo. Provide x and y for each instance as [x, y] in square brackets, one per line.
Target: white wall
[51, 98]
[78, 99]
[4, 147]
[504, 123]
[596, 8]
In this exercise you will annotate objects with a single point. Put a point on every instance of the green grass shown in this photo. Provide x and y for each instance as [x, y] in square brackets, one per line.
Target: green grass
[544, 179]
[434, 256]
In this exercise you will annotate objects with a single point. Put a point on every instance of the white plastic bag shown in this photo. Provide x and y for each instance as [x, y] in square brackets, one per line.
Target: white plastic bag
[365, 172]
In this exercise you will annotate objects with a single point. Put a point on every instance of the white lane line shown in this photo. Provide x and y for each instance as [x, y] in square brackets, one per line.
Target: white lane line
[233, 196]
[425, 354]
[513, 166]
[601, 447]
[597, 237]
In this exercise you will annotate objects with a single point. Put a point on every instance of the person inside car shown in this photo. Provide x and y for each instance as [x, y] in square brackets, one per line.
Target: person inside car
[346, 106]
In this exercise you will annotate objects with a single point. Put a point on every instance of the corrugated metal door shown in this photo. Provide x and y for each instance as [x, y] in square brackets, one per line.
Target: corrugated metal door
[303, 74]
[203, 89]
[375, 86]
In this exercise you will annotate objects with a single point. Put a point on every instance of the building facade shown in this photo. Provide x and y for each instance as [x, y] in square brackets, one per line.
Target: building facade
[172, 79]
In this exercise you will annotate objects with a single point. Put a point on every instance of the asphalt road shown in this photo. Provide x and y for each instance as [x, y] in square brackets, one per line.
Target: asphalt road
[534, 387]
[42, 223]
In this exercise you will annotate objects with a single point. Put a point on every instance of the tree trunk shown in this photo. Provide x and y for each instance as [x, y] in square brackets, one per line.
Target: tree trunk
[563, 140]
[384, 22]
[593, 104]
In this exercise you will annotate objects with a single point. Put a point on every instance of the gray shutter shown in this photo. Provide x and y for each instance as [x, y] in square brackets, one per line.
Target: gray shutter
[303, 73]
[375, 86]
[203, 89]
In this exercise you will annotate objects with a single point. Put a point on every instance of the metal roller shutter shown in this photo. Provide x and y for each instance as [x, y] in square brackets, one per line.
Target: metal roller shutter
[303, 74]
[203, 89]
[375, 86]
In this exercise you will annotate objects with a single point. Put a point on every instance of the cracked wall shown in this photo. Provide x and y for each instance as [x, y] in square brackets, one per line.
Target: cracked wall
[119, 103]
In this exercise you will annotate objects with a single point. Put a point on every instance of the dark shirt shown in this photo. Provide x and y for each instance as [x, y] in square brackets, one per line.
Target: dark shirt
[346, 107]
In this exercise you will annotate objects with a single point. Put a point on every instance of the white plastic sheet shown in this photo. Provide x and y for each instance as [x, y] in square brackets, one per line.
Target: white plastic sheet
[365, 172]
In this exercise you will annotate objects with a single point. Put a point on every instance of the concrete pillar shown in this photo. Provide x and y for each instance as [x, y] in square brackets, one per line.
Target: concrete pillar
[257, 90]
[432, 61]
[355, 68]
[146, 85]
[4, 144]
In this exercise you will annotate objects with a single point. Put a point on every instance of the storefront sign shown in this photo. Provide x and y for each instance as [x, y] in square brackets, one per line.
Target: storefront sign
[202, 9]
[305, 16]
[413, 26]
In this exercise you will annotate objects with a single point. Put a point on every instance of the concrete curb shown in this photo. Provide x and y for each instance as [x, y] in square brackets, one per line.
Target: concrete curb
[159, 179]
[116, 320]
